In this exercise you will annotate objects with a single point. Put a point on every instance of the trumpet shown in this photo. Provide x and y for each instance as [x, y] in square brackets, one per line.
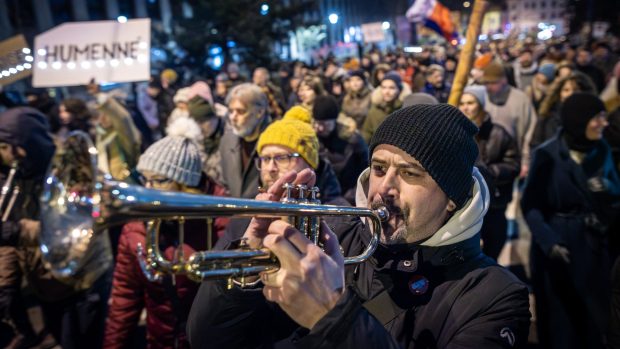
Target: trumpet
[75, 211]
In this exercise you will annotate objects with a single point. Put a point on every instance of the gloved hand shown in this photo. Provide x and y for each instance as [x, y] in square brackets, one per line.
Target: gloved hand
[560, 253]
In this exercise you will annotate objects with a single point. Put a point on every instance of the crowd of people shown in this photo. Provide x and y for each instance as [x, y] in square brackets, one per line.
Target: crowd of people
[537, 126]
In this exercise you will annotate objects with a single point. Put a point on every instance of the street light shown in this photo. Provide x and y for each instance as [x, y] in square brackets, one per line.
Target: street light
[466, 4]
[121, 19]
[264, 9]
[385, 25]
[333, 18]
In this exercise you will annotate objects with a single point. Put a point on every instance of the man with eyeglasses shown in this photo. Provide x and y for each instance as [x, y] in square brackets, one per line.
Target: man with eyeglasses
[289, 145]
[247, 117]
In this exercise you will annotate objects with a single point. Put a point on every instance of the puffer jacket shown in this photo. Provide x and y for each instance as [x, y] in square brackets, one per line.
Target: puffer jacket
[167, 302]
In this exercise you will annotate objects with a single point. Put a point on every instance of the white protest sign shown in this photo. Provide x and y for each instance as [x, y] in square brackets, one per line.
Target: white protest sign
[373, 32]
[107, 51]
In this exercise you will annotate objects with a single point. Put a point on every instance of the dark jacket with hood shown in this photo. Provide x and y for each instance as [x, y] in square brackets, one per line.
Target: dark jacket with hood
[463, 298]
[26, 128]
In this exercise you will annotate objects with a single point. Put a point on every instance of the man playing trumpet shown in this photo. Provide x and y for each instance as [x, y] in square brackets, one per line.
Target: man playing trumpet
[428, 283]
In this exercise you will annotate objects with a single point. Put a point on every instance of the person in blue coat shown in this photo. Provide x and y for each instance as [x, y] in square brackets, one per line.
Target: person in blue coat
[570, 196]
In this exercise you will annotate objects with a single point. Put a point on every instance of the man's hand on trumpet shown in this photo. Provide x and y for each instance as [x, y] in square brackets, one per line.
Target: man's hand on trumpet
[257, 229]
[310, 280]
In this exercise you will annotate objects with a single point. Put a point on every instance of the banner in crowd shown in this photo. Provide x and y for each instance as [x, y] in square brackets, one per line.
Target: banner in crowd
[106, 51]
[15, 60]
[373, 32]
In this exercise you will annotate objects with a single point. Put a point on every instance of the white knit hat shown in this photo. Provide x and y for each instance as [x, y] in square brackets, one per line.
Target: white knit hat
[176, 156]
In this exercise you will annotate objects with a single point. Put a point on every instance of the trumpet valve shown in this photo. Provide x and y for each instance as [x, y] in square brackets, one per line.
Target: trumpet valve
[288, 198]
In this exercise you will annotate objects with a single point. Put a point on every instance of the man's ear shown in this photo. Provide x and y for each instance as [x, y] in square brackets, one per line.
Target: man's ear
[451, 207]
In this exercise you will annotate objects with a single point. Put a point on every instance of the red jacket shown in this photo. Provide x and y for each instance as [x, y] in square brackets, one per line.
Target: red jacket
[132, 292]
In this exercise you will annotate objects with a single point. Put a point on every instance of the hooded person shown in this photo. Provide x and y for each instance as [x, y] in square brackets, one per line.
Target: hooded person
[356, 102]
[570, 197]
[427, 283]
[73, 308]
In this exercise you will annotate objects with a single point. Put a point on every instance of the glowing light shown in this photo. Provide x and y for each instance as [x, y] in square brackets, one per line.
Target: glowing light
[121, 19]
[385, 25]
[413, 49]
[26, 50]
[41, 52]
[333, 18]
[143, 45]
[56, 65]
[41, 65]
[71, 65]
[128, 60]
[114, 62]
[27, 65]
[100, 63]
[5, 73]
[29, 58]
[466, 4]
[264, 9]
[85, 65]
[141, 58]
[19, 67]
[12, 70]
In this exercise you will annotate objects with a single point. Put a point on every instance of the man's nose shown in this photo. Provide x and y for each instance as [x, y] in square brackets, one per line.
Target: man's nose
[389, 184]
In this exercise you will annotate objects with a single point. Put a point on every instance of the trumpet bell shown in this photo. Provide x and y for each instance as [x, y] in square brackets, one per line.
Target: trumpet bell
[71, 248]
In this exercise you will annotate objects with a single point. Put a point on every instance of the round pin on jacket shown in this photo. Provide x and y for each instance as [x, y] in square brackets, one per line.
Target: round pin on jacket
[418, 285]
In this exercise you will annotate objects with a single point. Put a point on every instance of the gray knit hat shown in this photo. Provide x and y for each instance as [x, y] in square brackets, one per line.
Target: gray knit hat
[176, 156]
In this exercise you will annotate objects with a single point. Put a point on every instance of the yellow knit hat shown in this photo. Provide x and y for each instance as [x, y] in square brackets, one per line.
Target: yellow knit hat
[169, 75]
[297, 135]
[299, 113]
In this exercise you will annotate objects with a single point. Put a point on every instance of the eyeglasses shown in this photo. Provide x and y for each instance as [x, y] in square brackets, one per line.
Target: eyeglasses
[282, 161]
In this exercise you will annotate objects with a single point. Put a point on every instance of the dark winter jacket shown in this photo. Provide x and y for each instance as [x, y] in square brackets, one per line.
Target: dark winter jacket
[347, 151]
[240, 182]
[27, 128]
[167, 304]
[464, 300]
[561, 208]
[498, 161]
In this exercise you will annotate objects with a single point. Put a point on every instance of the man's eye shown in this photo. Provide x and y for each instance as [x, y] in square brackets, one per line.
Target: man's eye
[408, 174]
[379, 169]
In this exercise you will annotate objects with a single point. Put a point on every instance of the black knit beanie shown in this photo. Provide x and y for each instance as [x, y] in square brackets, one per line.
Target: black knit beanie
[577, 110]
[441, 138]
[325, 108]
